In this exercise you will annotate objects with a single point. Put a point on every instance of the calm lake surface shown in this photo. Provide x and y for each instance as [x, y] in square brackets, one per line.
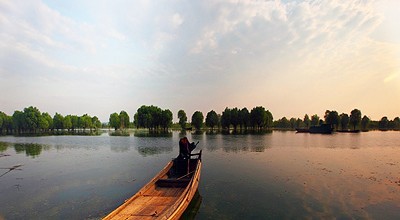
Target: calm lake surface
[278, 175]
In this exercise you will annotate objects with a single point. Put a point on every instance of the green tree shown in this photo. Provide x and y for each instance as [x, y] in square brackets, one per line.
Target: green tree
[344, 121]
[43, 123]
[32, 118]
[96, 122]
[123, 120]
[383, 123]
[212, 119]
[1, 122]
[135, 120]
[75, 122]
[364, 123]
[269, 120]
[2, 119]
[258, 117]
[151, 117]
[166, 119]
[226, 118]
[49, 121]
[282, 123]
[182, 119]
[19, 121]
[197, 120]
[244, 118]
[67, 123]
[332, 117]
[7, 123]
[235, 120]
[86, 122]
[58, 120]
[114, 121]
[396, 123]
[292, 122]
[148, 116]
[355, 118]
[314, 120]
[299, 123]
[306, 121]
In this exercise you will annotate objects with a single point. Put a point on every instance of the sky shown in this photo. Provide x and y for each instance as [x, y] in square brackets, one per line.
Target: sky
[291, 57]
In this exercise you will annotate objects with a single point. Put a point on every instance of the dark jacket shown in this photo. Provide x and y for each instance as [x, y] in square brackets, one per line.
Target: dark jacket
[185, 148]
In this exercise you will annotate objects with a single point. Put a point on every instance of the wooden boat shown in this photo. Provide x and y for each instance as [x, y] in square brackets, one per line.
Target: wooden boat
[166, 196]
[321, 129]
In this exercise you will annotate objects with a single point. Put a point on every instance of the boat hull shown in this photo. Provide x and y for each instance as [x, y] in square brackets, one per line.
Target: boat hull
[321, 129]
[162, 201]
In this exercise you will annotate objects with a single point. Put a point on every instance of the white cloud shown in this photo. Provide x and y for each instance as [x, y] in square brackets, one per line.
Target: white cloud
[177, 20]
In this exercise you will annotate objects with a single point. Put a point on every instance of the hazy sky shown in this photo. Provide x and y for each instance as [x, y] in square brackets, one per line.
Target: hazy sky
[292, 57]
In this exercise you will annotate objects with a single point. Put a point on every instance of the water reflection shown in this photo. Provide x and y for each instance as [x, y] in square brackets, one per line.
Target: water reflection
[152, 146]
[344, 183]
[149, 151]
[279, 175]
[3, 147]
[146, 133]
[120, 133]
[237, 132]
[193, 207]
[30, 149]
[236, 143]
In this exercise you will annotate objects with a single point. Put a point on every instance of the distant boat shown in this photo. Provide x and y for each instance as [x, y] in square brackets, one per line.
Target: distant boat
[166, 196]
[321, 129]
[302, 130]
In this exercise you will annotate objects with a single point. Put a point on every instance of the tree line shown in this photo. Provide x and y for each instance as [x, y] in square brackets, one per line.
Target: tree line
[32, 121]
[258, 118]
[340, 122]
[155, 118]
[234, 118]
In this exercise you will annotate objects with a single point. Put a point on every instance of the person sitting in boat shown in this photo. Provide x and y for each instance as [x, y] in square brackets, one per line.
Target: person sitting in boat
[185, 148]
[181, 161]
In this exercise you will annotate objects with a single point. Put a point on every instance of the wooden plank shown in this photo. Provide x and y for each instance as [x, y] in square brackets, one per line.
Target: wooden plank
[161, 191]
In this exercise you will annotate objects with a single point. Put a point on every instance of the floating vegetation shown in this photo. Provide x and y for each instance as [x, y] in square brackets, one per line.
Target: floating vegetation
[3, 147]
[120, 133]
[146, 133]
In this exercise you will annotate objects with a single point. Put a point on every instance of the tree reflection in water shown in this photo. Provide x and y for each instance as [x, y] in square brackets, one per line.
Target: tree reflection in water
[30, 149]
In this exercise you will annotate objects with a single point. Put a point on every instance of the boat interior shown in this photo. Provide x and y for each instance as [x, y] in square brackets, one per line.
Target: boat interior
[179, 175]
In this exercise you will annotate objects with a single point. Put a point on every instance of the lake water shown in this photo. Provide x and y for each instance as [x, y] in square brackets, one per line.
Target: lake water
[278, 175]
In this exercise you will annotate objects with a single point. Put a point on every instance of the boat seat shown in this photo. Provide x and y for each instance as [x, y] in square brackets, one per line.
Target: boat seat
[178, 183]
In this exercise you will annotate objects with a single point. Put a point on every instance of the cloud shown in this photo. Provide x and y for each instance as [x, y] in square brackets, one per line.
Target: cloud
[391, 77]
[177, 20]
[206, 47]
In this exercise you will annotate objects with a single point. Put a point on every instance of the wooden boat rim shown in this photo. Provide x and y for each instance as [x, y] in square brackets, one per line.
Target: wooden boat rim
[175, 210]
